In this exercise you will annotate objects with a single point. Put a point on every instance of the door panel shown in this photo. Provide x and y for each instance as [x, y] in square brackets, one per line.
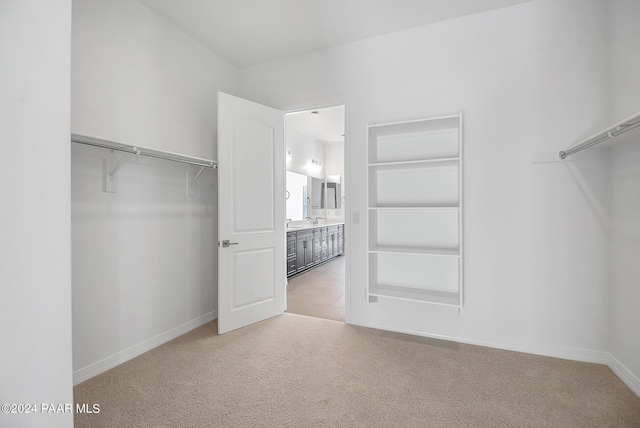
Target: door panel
[250, 160]
[251, 270]
[254, 267]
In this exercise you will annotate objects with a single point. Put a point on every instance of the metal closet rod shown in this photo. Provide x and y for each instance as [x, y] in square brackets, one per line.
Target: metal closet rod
[614, 131]
[79, 139]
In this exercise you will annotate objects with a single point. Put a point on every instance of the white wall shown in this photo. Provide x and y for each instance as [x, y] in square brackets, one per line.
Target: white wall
[625, 252]
[144, 258]
[529, 78]
[624, 51]
[35, 247]
[303, 149]
[137, 78]
[624, 58]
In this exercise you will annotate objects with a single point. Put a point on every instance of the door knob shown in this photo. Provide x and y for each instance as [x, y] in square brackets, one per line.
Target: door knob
[226, 243]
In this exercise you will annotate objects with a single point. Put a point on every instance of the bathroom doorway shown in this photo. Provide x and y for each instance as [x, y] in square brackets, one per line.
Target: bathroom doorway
[316, 212]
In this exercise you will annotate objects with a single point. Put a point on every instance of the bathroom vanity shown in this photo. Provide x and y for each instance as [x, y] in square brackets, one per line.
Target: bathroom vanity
[310, 246]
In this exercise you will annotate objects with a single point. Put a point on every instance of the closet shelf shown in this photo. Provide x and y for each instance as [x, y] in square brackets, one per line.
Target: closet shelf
[439, 252]
[619, 128]
[415, 294]
[143, 151]
[427, 162]
[417, 207]
[114, 162]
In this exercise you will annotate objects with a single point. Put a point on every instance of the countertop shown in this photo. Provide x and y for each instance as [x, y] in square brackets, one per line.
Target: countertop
[296, 228]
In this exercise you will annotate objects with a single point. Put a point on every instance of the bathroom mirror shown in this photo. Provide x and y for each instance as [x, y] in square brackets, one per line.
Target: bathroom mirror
[298, 197]
[305, 196]
[333, 193]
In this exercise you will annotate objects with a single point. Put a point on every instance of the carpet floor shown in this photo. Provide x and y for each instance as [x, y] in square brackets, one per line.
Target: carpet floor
[296, 371]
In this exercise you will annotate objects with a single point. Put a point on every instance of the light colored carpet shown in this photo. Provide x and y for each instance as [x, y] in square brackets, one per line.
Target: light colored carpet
[295, 371]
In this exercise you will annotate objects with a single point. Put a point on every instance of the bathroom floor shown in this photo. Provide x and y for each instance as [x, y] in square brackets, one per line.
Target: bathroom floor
[319, 292]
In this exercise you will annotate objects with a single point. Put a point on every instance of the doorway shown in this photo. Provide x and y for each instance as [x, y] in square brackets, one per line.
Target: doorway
[315, 212]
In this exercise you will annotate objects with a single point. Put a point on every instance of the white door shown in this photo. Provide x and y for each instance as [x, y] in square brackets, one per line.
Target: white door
[251, 188]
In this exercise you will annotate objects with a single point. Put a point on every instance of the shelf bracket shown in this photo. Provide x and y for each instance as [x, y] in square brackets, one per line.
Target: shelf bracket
[113, 162]
[191, 181]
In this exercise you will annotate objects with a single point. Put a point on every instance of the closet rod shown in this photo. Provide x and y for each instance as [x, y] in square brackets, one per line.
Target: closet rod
[142, 151]
[617, 129]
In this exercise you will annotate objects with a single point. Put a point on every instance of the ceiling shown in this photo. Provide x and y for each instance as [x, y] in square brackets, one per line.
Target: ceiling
[327, 125]
[252, 32]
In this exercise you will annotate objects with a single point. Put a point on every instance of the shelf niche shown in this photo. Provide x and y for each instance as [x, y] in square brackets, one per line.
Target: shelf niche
[415, 210]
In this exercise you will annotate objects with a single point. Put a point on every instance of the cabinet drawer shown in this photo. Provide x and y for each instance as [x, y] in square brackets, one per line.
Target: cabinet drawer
[304, 234]
[291, 266]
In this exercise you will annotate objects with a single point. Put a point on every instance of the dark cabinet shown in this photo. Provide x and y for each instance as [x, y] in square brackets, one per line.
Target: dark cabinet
[317, 246]
[310, 247]
[291, 253]
[324, 244]
[304, 249]
[332, 241]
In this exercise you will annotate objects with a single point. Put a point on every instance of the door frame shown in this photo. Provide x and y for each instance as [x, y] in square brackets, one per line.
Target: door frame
[314, 105]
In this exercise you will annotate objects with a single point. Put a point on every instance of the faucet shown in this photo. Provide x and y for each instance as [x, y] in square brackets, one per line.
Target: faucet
[316, 220]
[308, 218]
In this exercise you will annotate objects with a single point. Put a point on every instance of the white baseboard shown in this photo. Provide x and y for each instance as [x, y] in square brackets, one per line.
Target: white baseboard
[566, 353]
[574, 354]
[127, 354]
[624, 374]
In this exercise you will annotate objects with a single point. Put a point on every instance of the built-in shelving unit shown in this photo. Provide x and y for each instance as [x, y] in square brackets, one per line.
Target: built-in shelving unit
[415, 210]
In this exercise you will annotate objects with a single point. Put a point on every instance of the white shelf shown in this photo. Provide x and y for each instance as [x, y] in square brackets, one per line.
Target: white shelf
[143, 151]
[114, 161]
[415, 184]
[419, 124]
[414, 229]
[446, 252]
[431, 207]
[415, 210]
[419, 139]
[414, 294]
[426, 162]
